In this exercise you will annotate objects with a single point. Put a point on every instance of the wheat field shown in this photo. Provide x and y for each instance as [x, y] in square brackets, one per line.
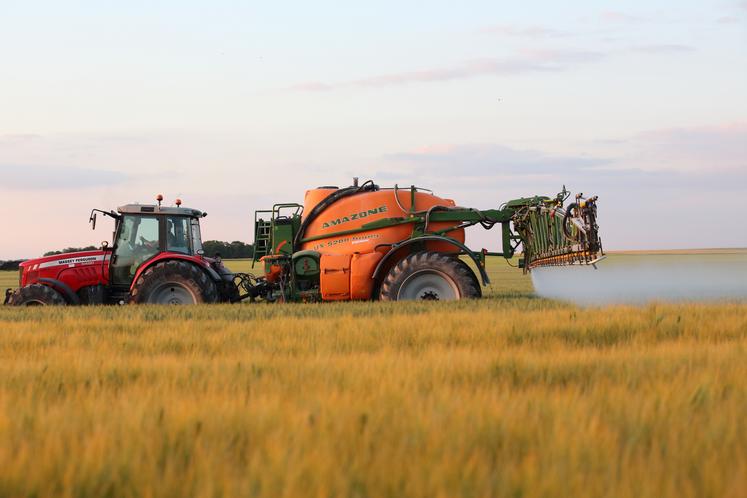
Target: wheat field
[507, 396]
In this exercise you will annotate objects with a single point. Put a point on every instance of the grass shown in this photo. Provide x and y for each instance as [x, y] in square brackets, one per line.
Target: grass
[8, 279]
[507, 396]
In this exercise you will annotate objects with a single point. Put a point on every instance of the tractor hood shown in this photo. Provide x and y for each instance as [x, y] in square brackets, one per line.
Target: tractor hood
[70, 260]
[66, 273]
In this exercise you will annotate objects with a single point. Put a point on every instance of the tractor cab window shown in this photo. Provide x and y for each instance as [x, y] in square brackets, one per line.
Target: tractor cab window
[137, 241]
[177, 234]
[196, 236]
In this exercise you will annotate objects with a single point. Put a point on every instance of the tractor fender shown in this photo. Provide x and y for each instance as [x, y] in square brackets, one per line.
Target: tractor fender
[172, 256]
[61, 287]
[431, 238]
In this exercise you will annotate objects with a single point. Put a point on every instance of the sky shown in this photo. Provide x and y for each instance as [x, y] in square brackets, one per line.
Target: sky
[236, 105]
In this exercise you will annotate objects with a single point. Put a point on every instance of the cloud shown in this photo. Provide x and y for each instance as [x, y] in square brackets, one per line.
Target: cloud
[18, 138]
[709, 148]
[733, 14]
[524, 31]
[491, 160]
[617, 17]
[493, 166]
[523, 62]
[703, 159]
[313, 86]
[526, 61]
[33, 177]
[728, 20]
[662, 49]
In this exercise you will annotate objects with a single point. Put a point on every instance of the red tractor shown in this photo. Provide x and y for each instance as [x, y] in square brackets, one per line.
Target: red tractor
[156, 257]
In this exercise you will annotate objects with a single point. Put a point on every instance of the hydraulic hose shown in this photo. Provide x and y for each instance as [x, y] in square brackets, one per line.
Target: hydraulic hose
[335, 196]
[566, 218]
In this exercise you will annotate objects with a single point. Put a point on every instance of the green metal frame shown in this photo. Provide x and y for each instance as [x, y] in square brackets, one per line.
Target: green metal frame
[269, 234]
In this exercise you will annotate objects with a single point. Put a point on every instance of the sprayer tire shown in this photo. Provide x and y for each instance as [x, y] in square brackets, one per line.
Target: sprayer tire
[37, 295]
[475, 281]
[174, 282]
[442, 277]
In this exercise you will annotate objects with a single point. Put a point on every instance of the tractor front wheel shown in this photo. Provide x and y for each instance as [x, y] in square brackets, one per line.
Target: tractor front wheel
[429, 276]
[36, 295]
[173, 282]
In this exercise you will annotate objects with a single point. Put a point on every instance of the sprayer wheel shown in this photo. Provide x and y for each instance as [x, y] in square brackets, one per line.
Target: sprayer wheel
[174, 282]
[36, 295]
[429, 276]
[469, 271]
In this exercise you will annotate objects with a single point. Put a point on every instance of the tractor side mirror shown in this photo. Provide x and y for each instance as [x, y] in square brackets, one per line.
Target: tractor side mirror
[92, 221]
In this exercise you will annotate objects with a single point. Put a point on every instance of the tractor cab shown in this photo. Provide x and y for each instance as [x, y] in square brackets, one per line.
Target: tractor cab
[145, 231]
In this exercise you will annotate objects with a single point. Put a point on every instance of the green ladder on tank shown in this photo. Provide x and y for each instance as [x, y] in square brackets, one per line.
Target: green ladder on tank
[262, 236]
[263, 229]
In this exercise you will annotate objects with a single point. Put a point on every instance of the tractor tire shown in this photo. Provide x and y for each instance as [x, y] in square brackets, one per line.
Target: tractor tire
[37, 295]
[174, 282]
[429, 276]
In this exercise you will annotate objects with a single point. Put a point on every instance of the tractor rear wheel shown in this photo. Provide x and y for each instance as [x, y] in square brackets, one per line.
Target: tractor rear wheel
[37, 295]
[429, 276]
[174, 282]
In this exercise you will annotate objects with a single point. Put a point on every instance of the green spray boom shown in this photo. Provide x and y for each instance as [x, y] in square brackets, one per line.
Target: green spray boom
[549, 234]
[552, 235]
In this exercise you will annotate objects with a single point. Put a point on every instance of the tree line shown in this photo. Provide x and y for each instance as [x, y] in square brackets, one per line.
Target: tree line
[11, 265]
[70, 249]
[228, 250]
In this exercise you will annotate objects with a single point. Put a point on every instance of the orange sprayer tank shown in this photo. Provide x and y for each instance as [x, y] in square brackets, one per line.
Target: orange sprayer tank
[314, 197]
[352, 212]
